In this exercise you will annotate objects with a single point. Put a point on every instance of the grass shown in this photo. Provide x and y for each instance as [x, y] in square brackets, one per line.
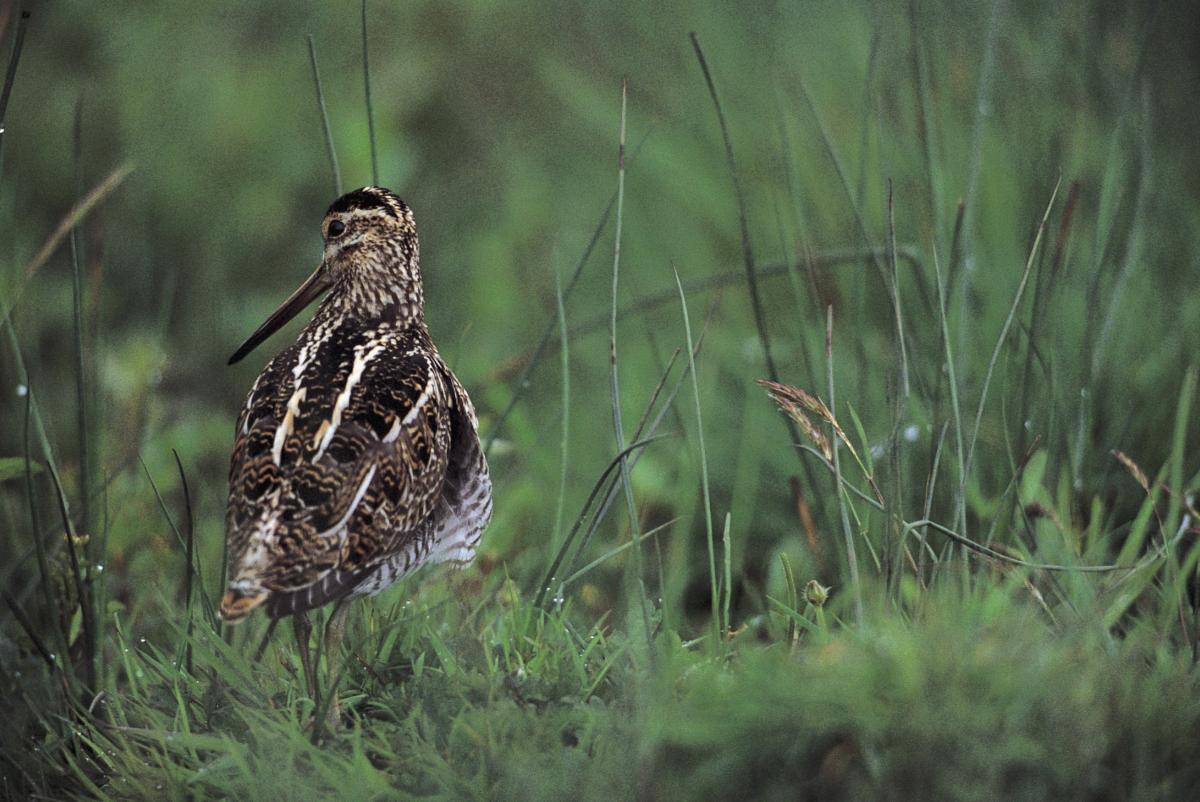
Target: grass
[969, 570]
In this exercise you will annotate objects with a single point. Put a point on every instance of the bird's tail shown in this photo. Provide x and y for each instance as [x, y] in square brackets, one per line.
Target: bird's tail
[239, 601]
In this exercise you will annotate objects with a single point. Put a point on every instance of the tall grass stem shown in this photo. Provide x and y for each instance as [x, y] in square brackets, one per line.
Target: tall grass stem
[1012, 313]
[10, 74]
[704, 482]
[522, 383]
[330, 150]
[370, 107]
[614, 378]
[835, 442]
[565, 363]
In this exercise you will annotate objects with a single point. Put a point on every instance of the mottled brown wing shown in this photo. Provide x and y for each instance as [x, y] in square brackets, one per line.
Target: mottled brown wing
[339, 463]
[464, 505]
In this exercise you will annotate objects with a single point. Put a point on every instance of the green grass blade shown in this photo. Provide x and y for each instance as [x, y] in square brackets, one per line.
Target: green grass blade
[72, 218]
[1184, 422]
[760, 320]
[546, 584]
[565, 364]
[43, 561]
[330, 150]
[708, 522]
[835, 441]
[615, 385]
[727, 557]
[1012, 313]
[608, 555]
[10, 74]
[370, 107]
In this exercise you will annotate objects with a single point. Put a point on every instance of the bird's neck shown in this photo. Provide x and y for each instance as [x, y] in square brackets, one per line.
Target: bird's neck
[399, 304]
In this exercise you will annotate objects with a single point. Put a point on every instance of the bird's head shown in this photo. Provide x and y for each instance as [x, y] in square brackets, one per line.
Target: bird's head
[371, 262]
[368, 224]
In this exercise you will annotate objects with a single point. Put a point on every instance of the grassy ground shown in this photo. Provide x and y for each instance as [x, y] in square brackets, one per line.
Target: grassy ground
[950, 554]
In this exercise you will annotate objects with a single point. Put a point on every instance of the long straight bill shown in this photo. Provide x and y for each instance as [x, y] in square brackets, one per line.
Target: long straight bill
[308, 292]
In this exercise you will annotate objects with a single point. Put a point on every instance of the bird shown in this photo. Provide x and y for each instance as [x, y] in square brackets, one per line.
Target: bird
[356, 455]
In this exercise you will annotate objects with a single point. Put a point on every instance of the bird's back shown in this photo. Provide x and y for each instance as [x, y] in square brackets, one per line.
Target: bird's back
[356, 460]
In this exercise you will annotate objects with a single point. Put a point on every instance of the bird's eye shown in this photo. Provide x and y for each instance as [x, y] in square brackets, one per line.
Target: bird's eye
[336, 229]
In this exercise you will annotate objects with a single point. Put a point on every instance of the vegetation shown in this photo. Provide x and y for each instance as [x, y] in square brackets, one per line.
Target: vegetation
[888, 489]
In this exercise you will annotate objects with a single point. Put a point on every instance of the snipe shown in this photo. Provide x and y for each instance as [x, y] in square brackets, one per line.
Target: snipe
[357, 457]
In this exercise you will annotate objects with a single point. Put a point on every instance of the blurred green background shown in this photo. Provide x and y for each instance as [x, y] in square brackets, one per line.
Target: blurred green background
[498, 123]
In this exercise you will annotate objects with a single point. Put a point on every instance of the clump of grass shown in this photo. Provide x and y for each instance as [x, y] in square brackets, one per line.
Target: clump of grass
[905, 710]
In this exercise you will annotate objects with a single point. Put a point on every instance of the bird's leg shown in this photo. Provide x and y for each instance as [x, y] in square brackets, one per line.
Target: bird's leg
[303, 633]
[335, 627]
[262, 646]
